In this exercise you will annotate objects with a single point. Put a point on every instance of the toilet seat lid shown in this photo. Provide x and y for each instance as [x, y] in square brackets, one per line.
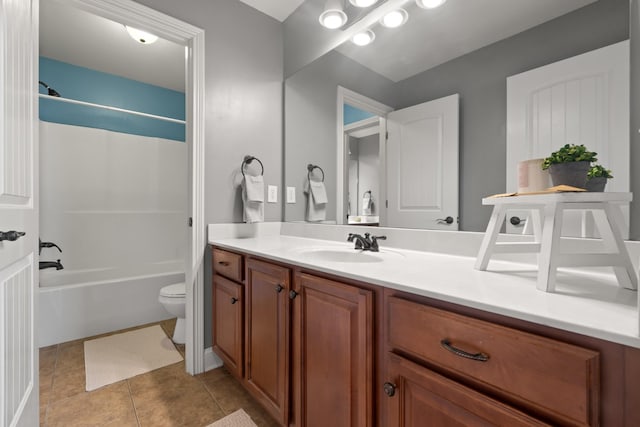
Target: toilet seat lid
[173, 291]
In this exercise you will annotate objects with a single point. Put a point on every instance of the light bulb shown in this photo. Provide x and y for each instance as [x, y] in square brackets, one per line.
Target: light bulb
[141, 36]
[430, 4]
[395, 18]
[333, 18]
[363, 3]
[364, 38]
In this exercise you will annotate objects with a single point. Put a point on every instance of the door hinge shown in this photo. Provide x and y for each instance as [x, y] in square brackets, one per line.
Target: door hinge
[190, 222]
[386, 135]
[386, 204]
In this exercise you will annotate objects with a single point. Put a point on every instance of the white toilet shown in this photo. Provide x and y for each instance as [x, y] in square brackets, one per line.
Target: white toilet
[173, 298]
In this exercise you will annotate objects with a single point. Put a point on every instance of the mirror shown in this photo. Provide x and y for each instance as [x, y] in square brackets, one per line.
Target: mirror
[464, 47]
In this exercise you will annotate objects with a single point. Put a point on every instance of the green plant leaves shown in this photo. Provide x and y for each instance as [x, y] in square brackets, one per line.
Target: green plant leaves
[570, 153]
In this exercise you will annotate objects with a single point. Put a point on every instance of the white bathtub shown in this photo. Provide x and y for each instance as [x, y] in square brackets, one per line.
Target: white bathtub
[79, 304]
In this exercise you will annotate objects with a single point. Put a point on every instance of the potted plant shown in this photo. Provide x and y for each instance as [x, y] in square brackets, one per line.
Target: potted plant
[597, 178]
[570, 165]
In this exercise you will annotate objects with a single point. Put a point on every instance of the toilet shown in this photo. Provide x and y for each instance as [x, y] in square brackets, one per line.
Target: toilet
[173, 298]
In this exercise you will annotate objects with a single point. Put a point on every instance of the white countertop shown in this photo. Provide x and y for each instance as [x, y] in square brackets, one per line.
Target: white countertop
[588, 303]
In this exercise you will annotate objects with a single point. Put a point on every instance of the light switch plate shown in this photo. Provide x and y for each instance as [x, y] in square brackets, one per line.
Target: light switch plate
[272, 196]
[291, 194]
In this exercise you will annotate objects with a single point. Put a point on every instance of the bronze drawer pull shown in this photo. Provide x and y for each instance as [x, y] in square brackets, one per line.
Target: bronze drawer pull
[480, 357]
[224, 263]
[234, 300]
[279, 288]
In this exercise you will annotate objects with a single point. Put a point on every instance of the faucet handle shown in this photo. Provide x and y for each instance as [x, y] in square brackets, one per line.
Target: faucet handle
[379, 237]
[374, 242]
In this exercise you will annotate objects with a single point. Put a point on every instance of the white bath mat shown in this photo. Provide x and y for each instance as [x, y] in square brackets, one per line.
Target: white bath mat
[237, 419]
[117, 357]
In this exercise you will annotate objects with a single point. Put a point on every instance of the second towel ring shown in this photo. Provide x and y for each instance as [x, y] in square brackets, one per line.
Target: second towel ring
[310, 169]
[247, 161]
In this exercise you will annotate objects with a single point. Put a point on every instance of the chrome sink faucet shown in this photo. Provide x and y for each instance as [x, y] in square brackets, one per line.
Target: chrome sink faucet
[366, 243]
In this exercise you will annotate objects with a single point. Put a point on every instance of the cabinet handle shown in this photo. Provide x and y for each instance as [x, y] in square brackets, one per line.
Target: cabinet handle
[389, 389]
[480, 357]
[234, 300]
[279, 288]
[224, 263]
[292, 294]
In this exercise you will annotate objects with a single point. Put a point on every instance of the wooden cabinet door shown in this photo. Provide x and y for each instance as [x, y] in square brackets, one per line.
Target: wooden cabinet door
[417, 396]
[333, 354]
[228, 323]
[267, 336]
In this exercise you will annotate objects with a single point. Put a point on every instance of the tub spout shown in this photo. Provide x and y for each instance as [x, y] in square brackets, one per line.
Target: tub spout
[50, 264]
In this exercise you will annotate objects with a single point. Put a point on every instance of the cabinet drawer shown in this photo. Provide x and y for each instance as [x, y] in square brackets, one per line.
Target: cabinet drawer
[416, 394]
[228, 264]
[550, 377]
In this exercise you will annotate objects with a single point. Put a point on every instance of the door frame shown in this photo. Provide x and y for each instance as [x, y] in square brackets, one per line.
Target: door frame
[374, 107]
[128, 12]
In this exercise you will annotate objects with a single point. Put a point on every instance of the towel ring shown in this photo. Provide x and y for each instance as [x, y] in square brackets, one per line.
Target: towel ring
[247, 161]
[310, 169]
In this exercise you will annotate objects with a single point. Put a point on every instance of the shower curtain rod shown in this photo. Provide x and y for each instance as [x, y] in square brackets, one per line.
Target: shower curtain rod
[107, 107]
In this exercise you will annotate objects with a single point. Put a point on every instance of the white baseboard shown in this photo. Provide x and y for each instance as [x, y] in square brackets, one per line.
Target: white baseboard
[211, 360]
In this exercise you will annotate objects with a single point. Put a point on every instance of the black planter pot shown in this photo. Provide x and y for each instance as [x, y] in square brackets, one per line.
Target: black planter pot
[570, 173]
[596, 184]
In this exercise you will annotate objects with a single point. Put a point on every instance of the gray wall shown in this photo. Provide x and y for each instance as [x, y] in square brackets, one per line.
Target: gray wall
[635, 116]
[244, 74]
[480, 79]
[310, 121]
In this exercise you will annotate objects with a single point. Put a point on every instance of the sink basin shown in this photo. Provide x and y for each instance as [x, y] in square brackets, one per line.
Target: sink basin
[346, 255]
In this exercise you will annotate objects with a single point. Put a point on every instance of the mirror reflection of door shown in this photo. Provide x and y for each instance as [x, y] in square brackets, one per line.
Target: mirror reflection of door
[409, 179]
[422, 165]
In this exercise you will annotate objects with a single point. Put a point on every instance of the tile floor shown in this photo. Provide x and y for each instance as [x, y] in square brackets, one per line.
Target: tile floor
[165, 397]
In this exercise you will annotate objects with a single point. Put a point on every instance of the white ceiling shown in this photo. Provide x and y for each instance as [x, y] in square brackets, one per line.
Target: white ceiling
[429, 38]
[71, 35]
[278, 9]
[433, 37]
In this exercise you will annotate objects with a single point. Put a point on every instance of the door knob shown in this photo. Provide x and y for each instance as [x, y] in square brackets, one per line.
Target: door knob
[447, 220]
[11, 235]
[389, 389]
[514, 220]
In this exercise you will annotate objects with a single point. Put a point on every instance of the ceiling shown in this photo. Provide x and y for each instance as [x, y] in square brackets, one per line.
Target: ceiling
[278, 9]
[77, 37]
[434, 36]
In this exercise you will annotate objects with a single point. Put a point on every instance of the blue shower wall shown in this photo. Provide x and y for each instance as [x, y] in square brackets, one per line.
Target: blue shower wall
[84, 84]
[353, 114]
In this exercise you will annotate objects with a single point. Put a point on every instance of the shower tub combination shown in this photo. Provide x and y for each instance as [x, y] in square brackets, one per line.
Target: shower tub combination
[79, 304]
[115, 204]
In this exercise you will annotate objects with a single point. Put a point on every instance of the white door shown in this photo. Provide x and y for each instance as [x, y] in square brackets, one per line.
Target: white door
[580, 100]
[422, 165]
[18, 213]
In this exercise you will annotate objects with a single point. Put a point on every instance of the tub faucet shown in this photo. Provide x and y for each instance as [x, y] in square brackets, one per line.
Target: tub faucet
[50, 264]
[366, 243]
[48, 245]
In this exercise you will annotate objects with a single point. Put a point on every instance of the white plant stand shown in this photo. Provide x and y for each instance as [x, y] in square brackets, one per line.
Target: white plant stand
[547, 210]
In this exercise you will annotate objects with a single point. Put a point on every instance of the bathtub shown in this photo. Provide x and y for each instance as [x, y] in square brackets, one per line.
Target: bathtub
[79, 304]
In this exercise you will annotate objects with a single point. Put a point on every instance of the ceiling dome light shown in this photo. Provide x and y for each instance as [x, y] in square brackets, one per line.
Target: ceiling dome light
[141, 36]
[363, 3]
[395, 18]
[333, 18]
[363, 38]
[430, 4]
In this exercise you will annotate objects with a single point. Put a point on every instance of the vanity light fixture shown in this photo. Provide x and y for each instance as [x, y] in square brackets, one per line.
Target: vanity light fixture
[363, 38]
[141, 36]
[395, 18]
[363, 3]
[430, 4]
[333, 18]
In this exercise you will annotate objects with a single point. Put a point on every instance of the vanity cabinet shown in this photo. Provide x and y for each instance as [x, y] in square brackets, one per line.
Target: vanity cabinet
[333, 357]
[486, 365]
[267, 336]
[228, 310]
